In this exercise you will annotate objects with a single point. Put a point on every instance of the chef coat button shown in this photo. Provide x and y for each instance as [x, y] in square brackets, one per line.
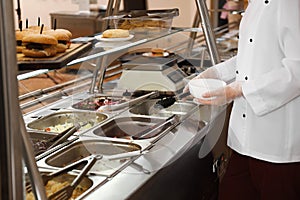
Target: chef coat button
[237, 72]
[238, 37]
[244, 115]
[246, 78]
[266, 1]
[251, 40]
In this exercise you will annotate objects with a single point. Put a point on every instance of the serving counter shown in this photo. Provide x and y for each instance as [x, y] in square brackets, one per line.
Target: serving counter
[115, 116]
[171, 164]
[146, 153]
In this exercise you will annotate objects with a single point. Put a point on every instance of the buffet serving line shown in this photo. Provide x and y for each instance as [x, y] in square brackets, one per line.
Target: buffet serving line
[131, 137]
[132, 143]
[140, 126]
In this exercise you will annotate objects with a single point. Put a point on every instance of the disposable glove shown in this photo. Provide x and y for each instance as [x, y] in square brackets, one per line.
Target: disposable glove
[208, 73]
[223, 95]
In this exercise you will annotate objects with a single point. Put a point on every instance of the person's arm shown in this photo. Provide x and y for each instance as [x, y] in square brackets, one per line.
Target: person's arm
[278, 87]
[226, 70]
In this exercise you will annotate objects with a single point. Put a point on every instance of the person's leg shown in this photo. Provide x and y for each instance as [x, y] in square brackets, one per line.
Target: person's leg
[276, 181]
[236, 183]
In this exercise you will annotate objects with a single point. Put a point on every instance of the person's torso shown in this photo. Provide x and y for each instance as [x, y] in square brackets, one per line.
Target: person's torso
[270, 137]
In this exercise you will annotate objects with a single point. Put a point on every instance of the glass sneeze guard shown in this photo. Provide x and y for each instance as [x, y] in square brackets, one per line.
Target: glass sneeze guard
[135, 41]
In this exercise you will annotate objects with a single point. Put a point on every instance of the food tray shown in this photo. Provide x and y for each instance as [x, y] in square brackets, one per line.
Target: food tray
[56, 62]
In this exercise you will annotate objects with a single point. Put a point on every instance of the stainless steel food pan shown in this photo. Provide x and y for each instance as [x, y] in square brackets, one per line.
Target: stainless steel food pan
[112, 103]
[65, 179]
[40, 140]
[95, 102]
[125, 127]
[81, 149]
[147, 108]
[61, 121]
[104, 166]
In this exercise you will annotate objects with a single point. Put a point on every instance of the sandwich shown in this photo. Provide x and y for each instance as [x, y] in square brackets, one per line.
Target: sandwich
[157, 52]
[115, 33]
[65, 31]
[19, 39]
[63, 39]
[39, 45]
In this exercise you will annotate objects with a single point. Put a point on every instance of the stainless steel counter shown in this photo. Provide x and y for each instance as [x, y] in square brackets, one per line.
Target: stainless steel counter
[177, 152]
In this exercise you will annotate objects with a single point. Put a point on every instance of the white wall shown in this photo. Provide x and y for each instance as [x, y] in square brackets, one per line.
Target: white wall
[32, 9]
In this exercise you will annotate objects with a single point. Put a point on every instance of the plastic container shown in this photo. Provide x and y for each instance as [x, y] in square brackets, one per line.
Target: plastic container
[149, 22]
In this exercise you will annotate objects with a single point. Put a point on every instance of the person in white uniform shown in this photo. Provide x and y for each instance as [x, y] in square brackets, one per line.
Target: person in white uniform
[264, 83]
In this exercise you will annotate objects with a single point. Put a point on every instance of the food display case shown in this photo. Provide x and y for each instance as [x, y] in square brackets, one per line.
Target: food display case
[142, 128]
[128, 109]
[144, 21]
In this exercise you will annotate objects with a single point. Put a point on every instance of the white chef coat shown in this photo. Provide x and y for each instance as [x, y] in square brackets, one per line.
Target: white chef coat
[265, 122]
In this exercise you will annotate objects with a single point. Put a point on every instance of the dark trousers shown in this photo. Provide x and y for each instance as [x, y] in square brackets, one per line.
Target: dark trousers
[248, 178]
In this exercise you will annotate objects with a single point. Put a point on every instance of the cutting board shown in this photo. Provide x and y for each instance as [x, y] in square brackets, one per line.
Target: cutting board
[56, 62]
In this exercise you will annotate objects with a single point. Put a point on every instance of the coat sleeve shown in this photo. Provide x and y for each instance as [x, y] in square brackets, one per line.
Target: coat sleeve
[278, 87]
[226, 69]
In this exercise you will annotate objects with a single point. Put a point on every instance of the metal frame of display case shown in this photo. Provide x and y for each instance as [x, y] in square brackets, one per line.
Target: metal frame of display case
[13, 148]
[201, 17]
[208, 31]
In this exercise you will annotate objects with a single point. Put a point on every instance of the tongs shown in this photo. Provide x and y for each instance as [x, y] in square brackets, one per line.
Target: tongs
[66, 135]
[66, 192]
[149, 131]
[161, 104]
[60, 138]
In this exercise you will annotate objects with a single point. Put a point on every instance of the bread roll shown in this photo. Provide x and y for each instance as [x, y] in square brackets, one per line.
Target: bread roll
[115, 33]
[65, 31]
[40, 39]
[62, 38]
[39, 45]
[157, 52]
[19, 38]
[34, 53]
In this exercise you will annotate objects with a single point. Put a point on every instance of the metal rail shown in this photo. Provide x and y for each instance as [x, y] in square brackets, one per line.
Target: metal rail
[59, 93]
[53, 88]
[14, 147]
[208, 33]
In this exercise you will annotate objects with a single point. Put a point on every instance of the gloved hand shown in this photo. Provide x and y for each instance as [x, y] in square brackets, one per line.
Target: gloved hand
[223, 95]
[208, 73]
